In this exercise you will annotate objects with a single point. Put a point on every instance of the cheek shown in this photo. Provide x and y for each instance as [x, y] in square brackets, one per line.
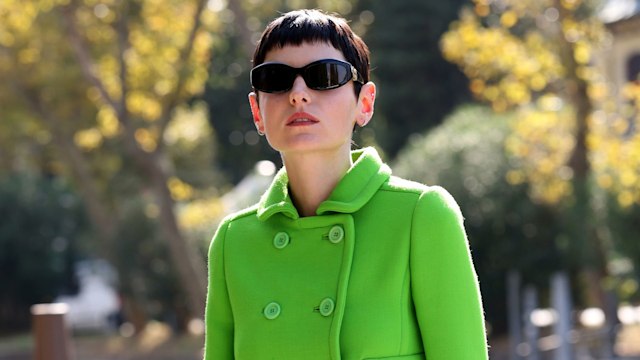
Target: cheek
[266, 110]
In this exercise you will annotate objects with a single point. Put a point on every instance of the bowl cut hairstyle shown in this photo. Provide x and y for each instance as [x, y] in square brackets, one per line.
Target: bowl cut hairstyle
[314, 26]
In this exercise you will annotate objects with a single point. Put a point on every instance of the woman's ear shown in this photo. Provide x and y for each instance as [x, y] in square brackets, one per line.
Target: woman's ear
[366, 102]
[255, 111]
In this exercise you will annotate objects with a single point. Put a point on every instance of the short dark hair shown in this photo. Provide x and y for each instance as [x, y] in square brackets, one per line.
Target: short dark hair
[315, 26]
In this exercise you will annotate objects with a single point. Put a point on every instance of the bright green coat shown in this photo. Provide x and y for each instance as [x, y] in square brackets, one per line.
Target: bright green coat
[382, 272]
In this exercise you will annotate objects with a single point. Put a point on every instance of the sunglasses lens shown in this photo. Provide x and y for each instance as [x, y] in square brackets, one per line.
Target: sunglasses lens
[320, 75]
[326, 75]
[272, 78]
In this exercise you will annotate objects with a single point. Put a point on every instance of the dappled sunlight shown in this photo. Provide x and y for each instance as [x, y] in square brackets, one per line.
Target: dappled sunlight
[153, 335]
[532, 61]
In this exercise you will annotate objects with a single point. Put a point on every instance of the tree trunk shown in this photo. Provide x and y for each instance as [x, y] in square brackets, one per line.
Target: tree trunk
[581, 216]
[190, 266]
[241, 26]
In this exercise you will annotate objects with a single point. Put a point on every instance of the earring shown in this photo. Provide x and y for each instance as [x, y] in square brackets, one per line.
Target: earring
[260, 132]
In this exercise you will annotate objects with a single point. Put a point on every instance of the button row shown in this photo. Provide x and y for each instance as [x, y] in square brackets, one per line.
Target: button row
[336, 234]
[272, 310]
[281, 239]
[326, 307]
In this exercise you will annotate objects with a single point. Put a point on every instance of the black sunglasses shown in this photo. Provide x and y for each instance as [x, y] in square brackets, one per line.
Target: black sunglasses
[323, 74]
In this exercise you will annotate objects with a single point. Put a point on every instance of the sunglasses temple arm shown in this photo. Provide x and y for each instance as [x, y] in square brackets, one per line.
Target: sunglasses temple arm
[355, 75]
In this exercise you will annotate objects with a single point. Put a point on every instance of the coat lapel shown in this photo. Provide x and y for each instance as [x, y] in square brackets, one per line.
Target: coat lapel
[354, 190]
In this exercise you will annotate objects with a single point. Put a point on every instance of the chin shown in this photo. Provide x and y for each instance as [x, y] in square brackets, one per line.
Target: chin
[309, 144]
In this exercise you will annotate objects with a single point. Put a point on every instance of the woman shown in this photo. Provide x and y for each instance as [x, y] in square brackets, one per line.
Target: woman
[339, 259]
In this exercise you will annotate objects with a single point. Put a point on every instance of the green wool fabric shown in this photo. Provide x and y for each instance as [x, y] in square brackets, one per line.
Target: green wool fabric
[383, 271]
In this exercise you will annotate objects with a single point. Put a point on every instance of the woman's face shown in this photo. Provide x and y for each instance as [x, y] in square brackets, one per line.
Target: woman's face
[302, 119]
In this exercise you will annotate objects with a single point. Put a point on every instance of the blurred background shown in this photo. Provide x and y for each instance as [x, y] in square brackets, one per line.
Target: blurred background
[125, 136]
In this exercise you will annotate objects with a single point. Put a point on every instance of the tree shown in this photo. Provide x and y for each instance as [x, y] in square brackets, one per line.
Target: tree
[537, 57]
[104, 81]
[506, 231]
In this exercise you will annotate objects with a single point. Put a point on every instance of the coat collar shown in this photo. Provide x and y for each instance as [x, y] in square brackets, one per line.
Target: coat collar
[356, 187]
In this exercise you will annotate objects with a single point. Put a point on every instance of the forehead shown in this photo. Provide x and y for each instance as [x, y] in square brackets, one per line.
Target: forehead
[303, 54]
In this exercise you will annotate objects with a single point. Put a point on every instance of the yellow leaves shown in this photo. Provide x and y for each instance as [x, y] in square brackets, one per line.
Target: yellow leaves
[108, 122]
[157, 22]
[198, 214]
[180, 191]
[482, 9]
[155, 54]
[582, 52]
[626, 199]
[619, 126]
[537, 82]
[540, 144]
[550, 102]
[146, 106]
[628, 178]
[142, 45]
[517, 92]
[188, 126]
[477, 86]
[516, 177]
[524, 70]
[18, 22]
[89, 139]
[605, 181]
[29, 56]
[147, 139]
[509, 68]
[6, 38]
[202, 44]
[615, 154]
[598, 91]
[631, 91]
[508, 19]
[570, 4]
[108, 69]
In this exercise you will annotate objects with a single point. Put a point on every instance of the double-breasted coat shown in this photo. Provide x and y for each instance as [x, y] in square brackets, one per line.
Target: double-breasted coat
[383, 271]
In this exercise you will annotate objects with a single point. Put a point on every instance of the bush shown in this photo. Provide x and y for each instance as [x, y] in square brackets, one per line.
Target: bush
[506, 230]
[41, 223]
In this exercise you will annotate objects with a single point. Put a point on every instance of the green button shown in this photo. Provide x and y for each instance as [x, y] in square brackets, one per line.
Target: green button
[272, 311]
[336, 234]
[281, 240]
[326, 307]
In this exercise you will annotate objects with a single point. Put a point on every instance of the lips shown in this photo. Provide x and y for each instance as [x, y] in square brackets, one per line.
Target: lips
[301, 118]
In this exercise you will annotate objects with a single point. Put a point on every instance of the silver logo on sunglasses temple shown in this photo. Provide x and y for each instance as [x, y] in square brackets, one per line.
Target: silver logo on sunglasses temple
[354, 74]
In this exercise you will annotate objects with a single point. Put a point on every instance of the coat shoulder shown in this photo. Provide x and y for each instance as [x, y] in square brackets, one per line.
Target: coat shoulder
[240, 214]
[403, 185]
[434, 195]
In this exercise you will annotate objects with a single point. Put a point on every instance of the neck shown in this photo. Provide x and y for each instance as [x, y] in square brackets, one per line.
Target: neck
[313, 176]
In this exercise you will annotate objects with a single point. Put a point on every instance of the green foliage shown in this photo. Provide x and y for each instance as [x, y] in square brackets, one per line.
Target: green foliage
[506, 230]
[624, 228]
[42, 222]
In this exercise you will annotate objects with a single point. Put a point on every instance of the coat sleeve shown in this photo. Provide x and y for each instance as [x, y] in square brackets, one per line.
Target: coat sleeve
[218, 316]
[443, 281]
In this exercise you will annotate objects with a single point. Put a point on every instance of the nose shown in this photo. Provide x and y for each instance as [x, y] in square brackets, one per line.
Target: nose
[299, 93]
